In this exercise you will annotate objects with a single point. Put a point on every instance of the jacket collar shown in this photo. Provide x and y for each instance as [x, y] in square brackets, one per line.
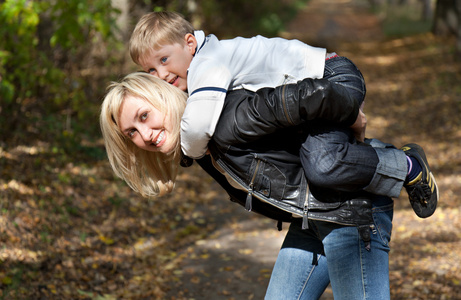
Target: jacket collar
[200, 37]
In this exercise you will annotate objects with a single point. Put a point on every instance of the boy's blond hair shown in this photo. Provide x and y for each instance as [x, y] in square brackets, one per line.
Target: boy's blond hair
[149, 173]
[157, 29]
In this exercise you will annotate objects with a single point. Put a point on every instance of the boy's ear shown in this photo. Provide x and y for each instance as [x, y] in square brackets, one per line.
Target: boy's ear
[191, 43]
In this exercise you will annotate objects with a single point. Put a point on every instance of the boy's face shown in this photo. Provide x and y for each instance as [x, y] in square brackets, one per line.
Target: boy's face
[171, 62]
[147, 127]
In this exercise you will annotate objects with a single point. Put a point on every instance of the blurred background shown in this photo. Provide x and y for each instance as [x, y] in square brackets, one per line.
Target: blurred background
[70, 230]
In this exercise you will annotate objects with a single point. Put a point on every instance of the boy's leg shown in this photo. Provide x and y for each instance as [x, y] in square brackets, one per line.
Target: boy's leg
[333, 160]
[391, 168]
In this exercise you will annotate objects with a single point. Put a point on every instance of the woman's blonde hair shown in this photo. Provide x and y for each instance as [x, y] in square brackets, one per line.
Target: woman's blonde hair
[157, 29]
[149, 173]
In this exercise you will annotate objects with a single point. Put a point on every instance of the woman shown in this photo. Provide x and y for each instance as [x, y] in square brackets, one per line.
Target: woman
[344, 240]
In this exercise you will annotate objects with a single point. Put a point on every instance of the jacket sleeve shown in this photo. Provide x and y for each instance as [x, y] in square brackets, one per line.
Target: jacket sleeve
[270, 109]
[199, 121]
[207, 83]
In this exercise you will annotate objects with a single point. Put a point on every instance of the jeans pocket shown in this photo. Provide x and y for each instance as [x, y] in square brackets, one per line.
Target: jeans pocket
[382, 219]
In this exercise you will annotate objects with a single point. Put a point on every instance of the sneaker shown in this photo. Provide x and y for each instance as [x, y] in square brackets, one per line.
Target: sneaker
[422, 191]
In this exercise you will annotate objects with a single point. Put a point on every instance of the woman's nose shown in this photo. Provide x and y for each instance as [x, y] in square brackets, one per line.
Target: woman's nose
[146, 135]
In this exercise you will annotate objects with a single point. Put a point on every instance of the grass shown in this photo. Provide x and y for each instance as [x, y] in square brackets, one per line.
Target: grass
[403, 20]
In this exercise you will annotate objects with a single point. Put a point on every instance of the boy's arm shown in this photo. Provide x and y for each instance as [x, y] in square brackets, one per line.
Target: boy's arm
[207, 82]
[269, 109]
[199, 122]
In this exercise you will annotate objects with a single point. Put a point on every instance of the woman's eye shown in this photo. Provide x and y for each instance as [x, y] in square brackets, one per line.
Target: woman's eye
[143, 117]
[131, 133]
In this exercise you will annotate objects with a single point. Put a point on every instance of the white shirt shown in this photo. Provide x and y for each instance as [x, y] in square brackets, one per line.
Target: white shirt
[249, 63]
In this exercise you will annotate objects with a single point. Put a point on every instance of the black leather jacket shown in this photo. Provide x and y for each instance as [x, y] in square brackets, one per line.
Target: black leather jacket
[257, 142]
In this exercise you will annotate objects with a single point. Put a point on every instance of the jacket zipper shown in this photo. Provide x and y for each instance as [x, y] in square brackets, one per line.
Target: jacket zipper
[249, 199]
[305, 224]
[284, 103]
[305, 212]
[250, 191]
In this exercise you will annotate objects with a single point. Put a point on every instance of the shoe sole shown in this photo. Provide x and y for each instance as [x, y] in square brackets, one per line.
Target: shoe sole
[419, 208]
[428, 210]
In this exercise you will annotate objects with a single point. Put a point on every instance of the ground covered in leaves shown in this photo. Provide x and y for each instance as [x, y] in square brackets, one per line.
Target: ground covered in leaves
[70, 230]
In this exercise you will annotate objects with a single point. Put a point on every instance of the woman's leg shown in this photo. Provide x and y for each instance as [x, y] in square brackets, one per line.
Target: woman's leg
[300, 271]
[355, 271]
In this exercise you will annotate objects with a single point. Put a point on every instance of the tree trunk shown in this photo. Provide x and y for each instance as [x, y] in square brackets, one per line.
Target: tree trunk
[447, 21]
[427, 10]
[458, 31]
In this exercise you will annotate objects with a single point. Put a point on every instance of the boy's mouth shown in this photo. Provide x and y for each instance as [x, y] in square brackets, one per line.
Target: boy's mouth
[173, 81]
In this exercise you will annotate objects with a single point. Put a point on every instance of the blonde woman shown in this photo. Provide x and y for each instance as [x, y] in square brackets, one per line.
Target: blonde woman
[257, 150]
[149, 168]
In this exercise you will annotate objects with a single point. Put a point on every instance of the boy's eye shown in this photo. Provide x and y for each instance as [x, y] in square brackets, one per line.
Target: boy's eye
[151, 71]
[163, 59]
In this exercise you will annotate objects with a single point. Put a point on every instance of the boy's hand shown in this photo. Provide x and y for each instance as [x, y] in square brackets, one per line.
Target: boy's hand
[360, 126]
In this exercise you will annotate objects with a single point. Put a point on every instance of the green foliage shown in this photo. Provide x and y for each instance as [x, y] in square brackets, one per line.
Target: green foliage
[45, 47]
[403, 19]
[237, 17]
[402, 23]
[55, 57]
[19, 21]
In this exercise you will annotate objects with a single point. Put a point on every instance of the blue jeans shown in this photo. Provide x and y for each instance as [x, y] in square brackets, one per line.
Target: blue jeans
[334, 161]
[327, 252]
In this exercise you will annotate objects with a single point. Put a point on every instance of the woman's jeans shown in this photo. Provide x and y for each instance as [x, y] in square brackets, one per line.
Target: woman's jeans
[326, 252]
[334, 161]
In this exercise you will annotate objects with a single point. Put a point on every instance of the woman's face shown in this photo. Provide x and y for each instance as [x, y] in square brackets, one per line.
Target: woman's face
[147, 127]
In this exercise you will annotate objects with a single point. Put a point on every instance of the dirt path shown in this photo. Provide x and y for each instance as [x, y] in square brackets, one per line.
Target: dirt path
[236, 261]
[329, 23]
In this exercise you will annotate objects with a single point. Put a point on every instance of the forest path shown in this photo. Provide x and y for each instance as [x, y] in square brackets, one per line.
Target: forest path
[329, 23]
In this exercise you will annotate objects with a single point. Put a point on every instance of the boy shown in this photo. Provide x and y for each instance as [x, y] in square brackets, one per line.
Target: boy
[165, 45]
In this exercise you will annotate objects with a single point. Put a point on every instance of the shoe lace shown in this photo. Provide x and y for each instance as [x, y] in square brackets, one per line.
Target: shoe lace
[420, 192]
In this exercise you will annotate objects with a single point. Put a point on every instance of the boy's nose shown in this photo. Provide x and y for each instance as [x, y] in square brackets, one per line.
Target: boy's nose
[162, 73]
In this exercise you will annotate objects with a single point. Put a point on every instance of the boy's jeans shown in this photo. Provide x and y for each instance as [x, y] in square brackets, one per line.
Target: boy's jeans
[333, 160]
[327, 252]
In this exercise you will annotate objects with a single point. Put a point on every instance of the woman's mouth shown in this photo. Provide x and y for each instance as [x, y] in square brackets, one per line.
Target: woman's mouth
[159, 140]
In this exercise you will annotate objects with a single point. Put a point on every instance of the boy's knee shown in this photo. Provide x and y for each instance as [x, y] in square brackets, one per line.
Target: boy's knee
[325, 168]
[320, 177]
[321, 171]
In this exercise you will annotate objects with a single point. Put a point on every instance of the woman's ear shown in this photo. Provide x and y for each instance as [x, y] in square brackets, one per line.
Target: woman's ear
[191, 43]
